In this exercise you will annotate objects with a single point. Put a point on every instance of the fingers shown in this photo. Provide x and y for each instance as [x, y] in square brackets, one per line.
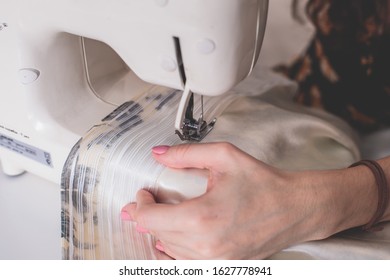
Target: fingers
[153, 216]
[168, 223]
[173, 251]
[212, 156]
[160, 251]
[164, 251]
[176, 225]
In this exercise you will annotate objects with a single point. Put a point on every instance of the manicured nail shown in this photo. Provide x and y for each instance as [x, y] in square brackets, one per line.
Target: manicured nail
[159, 246]
[141, 229]
[159, 150]
[126, 216]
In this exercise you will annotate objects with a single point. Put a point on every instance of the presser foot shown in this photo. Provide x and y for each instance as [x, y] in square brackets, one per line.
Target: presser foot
[187, 127]
[195, 131]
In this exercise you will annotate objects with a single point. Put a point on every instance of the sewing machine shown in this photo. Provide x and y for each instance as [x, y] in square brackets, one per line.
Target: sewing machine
[65, 65]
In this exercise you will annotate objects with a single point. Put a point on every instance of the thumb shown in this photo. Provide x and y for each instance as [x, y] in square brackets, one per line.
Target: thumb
[211, 156]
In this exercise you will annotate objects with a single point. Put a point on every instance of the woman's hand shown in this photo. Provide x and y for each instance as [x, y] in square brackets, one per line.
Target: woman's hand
[249, 211]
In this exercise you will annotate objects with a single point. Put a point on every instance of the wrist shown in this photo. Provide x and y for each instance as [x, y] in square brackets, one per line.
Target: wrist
[382, 192]
[340, 199]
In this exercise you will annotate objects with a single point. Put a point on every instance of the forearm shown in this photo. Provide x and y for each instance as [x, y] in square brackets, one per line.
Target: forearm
[344, 198]
[385, 163]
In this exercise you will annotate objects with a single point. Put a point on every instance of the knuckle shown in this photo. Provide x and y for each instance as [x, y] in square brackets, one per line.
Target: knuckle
[182, 151]
[213, 248]
[201, 222]
[140, 217]
[198, 221]
[206, 250]
[225, 148]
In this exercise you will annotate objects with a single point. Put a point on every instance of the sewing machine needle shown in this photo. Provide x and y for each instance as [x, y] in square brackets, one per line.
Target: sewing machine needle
[201, 104]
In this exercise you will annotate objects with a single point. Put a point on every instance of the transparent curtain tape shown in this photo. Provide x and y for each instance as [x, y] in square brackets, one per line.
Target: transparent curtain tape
[108, 166]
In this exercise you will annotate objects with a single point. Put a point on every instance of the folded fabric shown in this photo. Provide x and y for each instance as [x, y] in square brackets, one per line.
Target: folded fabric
[113, 161]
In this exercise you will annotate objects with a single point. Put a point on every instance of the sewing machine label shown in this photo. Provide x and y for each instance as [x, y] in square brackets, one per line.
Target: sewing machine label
[3, 25]
[26, 150]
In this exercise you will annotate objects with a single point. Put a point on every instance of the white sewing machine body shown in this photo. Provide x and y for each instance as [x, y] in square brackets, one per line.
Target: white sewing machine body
[56, 84]
[66, 65]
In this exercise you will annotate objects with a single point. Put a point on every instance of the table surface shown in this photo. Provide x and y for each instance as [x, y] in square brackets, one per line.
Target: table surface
[30, 223]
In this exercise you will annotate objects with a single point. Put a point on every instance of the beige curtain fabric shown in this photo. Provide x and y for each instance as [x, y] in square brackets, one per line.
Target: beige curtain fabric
[113, 161]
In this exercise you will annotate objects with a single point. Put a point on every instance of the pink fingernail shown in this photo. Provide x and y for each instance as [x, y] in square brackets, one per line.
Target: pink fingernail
[159, 246]
[159, 150]
[141, 229]
[126, 216]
